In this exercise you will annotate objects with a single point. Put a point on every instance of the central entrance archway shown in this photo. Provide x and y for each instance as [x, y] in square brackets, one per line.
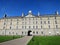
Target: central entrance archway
[29, 33]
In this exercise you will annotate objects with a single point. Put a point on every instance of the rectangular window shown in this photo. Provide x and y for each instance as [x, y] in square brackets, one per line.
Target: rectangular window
[33, 27]
[33, 32]
[41, 18]
[33, 22]
[25, 27]
[44, 22]
[16, 27]
[33, 18]
[22, 27]
[22, 32]
[41, 26]
[55, 22]
[22, 22]
[55, 17]
[36, 18]
[23, 19]
[10, 27]
[49, 26]
[11, 20]
[41, 32]
[41, 22]
[17, 20]
[4, 27]
[29, 19]
[11, 23]
[9, 32]
[48, 22]
[25, 22]
[29, 27]
[56, 26]
[4, 23]
[36, 32]
[36, 22]
[48, 18]
[36, 27]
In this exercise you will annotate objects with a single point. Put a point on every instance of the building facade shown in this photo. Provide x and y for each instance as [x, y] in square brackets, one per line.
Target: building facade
[30, 25]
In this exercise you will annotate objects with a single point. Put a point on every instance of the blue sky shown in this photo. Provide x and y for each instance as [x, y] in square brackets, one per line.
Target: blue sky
[16, 7]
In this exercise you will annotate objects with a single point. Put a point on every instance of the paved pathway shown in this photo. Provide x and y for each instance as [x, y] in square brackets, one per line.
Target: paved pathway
[20, 41]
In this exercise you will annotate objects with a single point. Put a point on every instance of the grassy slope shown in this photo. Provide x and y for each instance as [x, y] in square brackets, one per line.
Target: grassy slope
[45, 40]
[6, 38]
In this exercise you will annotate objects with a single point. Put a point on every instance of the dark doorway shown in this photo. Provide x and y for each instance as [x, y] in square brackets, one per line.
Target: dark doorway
[29, 33]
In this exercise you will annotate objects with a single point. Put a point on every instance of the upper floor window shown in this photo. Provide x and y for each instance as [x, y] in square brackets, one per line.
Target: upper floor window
[33, 18]
[22, 19]
[17, 27]
[36, 22]
[10, 27]
[4, 27]
[44, 22]
[11, 23]
[4, 23]
[36, 18]
[41, 18]
[17, 19]
[29, 26]
[48, 18]
[33, 22]
[11, 20]
[22, 22]
[55, 17]
[55, 22]
[41, 26]
[29, 19]
[25, 27]
[22, 27]
[36, 27]
[56, 26]
[49, 26]
[33, 26]
[41, 22]
[48, 22]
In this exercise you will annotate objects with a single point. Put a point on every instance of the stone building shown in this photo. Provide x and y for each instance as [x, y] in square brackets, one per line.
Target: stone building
[30, 24]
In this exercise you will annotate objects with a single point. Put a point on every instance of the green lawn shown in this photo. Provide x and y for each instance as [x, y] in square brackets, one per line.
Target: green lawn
[45, 40]
[6, 38]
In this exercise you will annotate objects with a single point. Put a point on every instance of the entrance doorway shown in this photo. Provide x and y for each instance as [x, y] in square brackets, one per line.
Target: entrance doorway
[29, 33]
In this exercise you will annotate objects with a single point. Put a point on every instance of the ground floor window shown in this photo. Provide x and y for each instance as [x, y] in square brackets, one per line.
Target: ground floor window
[33, 32]
[41, 32]
[22, 32]
[37, 32]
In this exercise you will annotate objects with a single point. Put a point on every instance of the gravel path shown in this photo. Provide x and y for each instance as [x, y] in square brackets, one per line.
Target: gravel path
[20, 41]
